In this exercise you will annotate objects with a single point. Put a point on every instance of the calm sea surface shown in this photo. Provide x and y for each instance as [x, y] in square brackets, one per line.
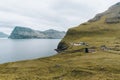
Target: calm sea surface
[24, 49]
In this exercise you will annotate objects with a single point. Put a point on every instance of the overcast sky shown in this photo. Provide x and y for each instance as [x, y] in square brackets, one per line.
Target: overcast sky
[49, 14]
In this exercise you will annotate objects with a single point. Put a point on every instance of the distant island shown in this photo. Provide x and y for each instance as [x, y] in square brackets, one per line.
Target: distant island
[27, 33]
[3, 35]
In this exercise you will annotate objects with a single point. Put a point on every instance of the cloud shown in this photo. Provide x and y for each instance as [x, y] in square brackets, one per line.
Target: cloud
[45, 14]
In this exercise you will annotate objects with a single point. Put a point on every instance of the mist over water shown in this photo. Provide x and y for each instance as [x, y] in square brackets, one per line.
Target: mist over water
[24, 49]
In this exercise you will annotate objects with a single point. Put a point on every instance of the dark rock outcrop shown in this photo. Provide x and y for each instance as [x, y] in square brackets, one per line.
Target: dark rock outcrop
[112, 20]
[62, 46]
[27, 33]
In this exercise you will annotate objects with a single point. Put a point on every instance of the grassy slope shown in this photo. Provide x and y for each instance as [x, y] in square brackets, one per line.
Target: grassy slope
[74, 66]
[95, 33]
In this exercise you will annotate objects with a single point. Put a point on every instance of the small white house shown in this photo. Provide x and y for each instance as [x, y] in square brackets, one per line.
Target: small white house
[79, 44]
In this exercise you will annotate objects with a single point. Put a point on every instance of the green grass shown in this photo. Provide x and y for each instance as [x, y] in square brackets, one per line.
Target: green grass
[74, 66]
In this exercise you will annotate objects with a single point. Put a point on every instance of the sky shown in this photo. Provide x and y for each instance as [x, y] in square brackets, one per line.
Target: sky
[49, 14]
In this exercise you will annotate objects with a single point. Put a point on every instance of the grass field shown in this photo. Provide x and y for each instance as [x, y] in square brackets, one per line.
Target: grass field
[74, 66]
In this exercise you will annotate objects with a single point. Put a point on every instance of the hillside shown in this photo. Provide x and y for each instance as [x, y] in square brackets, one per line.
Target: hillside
[3, 35]
[103, 29]
[72, 63]
[27, 33]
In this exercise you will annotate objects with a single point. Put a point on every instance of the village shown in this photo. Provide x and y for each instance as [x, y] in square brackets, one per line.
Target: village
[86, 48]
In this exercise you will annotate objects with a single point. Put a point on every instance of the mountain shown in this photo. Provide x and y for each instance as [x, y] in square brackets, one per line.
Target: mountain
[24, 33]
[103, 29]
[54, 34]
[27, 33]
[3, 35]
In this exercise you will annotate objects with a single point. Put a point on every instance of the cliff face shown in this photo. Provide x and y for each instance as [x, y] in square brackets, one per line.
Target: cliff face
[27, 33]
[3, 35]
[103, 29]
[24, 33]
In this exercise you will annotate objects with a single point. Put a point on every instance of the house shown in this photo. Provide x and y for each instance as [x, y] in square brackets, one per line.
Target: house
[79, 44]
